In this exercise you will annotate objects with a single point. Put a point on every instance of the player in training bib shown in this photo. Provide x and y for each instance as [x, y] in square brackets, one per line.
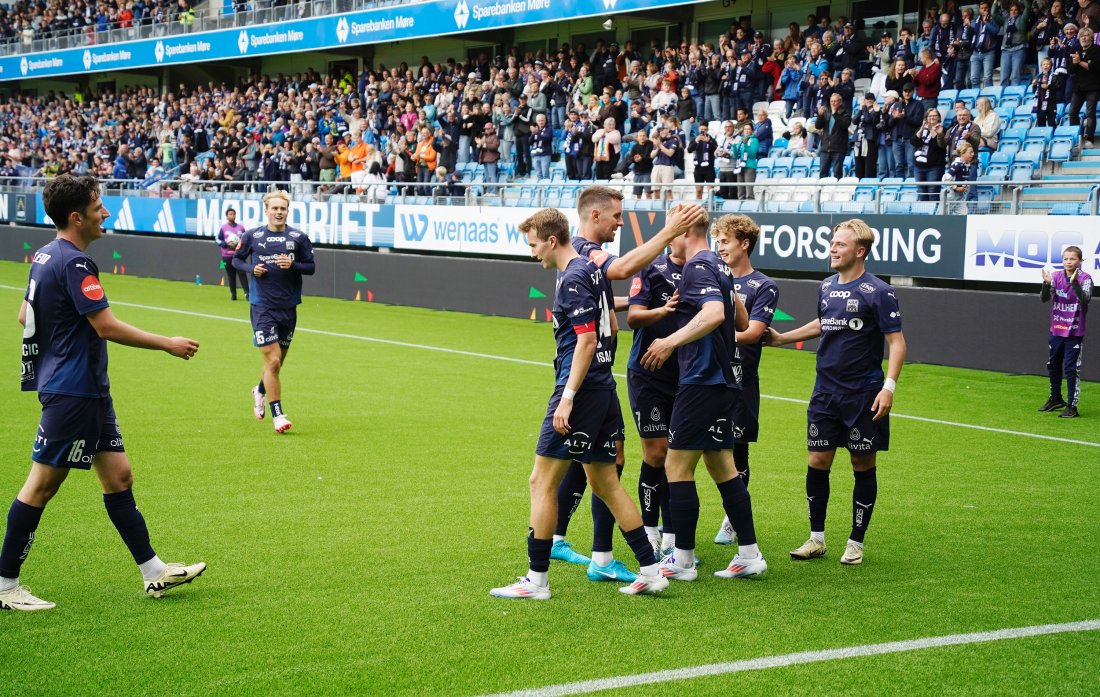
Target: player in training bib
[600, 210]
[67, 323]
[850, 406]
[1071, 290]
[653, 298]
[709, 314]
[276, 256]
[735, 238]
[583, 418]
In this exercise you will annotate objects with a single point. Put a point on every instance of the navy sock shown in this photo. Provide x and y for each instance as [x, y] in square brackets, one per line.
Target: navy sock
[683, 499]
[649, 494]
[260, 388]
[741, 461]
[124, 513]
[666, 515]
[863, 501]
[570, 493]
[639, 544]
[538, 552]
[817, 496]
[603, 523]
[22, 522]
[276, 407]
[738, 506]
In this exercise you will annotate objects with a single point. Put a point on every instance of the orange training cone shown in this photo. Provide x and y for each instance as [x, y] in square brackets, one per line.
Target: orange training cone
[356, 295]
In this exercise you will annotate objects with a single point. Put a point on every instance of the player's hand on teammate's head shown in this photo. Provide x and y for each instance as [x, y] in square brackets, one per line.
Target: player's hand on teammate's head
[683, 216]
[182, 347]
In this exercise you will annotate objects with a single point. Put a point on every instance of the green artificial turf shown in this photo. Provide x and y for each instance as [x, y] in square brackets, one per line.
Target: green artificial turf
[354, 555]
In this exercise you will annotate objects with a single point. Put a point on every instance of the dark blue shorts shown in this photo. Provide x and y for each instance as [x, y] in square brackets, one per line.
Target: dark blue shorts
[746, 413]
[74, 429]
[651, 402]
[596, 422]
[271, 324]
[845, 421]
[701, 418]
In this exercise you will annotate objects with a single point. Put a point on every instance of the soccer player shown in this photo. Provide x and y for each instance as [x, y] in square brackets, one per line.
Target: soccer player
[227, 238]
[735, 238]
[709, 313]
[600, 210]
[277, 256]
[66, 326]
[583, 417]
[653, 297]
[851, 402]
[1072, 291]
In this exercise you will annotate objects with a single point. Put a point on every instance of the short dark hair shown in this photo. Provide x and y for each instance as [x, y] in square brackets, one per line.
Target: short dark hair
[67, 194]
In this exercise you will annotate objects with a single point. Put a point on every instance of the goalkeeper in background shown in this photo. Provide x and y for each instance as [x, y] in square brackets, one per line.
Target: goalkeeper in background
[227, 238]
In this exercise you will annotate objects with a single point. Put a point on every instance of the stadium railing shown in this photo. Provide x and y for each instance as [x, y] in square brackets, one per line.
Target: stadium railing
[899, 197]
[204, 20]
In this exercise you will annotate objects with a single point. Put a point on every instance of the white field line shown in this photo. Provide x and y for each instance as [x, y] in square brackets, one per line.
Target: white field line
[801, 658]
[474, 354]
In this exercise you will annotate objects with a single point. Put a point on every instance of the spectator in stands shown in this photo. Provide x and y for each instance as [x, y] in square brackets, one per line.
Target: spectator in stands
[522, 124]
[1085, 67]
[989, 123]
[685, 111]
[866, 137]
[746, 154]
[964, 130]
[927, 78]
[832, 123]
[488, 154]
[669, 150]
[964, 48]
[542, 146]
[930, 143]
[762, 129]
[640, 161]
[1046, 86]
[607, 143]
[703, 147]
[905, 48]
[797, 143]
[905, 117]
[963, 168]
[790, 82]
[725, 157]
[1014, 45]
[984, 45]
[887, 167]
[1088, 15]
[1047, 29]
[328, 159]
[502, 121]
[585, 129]
[897, 76]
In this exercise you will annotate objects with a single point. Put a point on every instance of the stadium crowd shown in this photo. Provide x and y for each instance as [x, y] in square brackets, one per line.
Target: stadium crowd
[27, 20]
[606, 110]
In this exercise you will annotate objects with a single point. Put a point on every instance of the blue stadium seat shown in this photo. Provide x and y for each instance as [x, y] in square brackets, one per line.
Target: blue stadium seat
[1002, 157]
[925, 208]
[1017, 135]
[802, 167]
[1021, 121]
[1070, 133]
[969, 96]
[983, 159]
[1039, 134]
[1016, 90]
[764, 167]
[946, 100]
[1022, 171]
[781, 167]
[993, 93]
[1060, 151]
[832, 207]
[731, 206]
[995, 173]
[1067, 208]
[899, 207]
[1033, 158]
[1005, 112]
[750, 206]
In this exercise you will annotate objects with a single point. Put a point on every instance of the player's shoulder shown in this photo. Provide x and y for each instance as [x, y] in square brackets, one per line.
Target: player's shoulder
[830, 282]
[871, 284]
[256, 232]
[294, 233]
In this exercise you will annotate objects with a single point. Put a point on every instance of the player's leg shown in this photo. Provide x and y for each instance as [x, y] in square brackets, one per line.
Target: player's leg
[543, 483]
[1055, 358]
[570, 492]
[866, 438]
[604, 478]
[116, 478]
[824, 432]
[653, 492]
[231, 276]
[738, 507]
[683, 499]
[608, 447]
[1071, 366]
[287, 320]
[725, 535]
[746, 428]
[603, 520]
[24, 515]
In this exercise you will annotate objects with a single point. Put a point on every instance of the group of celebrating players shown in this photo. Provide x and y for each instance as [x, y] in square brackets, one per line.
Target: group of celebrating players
[701, 319]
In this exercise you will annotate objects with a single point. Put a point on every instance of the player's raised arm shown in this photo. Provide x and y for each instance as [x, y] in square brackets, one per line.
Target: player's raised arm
[110, 328]
[679, 220]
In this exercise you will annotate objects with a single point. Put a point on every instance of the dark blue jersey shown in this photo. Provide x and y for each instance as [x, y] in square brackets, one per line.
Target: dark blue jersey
[760, 296]
[652, 288]
[709, 360]
[62, 354]
[602, 259]
[278, 288]
[580, 306]
[854, 317]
